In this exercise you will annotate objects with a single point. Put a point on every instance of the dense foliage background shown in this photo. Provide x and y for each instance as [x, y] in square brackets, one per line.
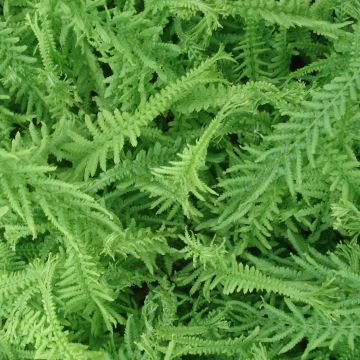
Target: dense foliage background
[179, 179]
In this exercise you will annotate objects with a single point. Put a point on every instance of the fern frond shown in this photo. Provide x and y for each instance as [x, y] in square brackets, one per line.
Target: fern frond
[113, 129]
[142, 244]
[286, 13]
[80, 282]
[252, 54]
[301, 135]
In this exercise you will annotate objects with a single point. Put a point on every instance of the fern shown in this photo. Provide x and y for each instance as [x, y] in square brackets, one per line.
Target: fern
[179, 179]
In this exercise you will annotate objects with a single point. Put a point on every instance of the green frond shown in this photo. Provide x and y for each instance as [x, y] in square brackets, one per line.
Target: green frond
[183, 174]
[347, 217]
[316, 121]
[252, 53]
[142, 244]
[203, 253]
[81, 281]
[111, 130]
[287, 13]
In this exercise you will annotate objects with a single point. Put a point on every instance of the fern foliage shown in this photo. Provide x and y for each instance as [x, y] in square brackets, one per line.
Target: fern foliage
[179, 179]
